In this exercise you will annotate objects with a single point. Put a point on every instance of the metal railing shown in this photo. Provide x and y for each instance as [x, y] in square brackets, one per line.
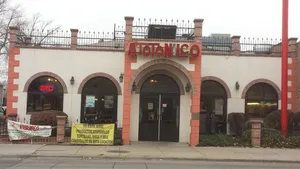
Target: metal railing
[184, 31]
[3, 128]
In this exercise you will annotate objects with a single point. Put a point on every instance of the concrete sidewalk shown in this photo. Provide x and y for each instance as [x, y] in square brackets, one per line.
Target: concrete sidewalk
[152, 151]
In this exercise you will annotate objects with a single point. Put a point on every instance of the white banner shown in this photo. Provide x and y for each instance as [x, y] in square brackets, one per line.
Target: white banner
[22, 131]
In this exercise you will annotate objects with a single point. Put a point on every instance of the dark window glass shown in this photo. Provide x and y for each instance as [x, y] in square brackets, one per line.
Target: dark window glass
[103, 95]
[261, 99]
[45, 93]
[160, 84]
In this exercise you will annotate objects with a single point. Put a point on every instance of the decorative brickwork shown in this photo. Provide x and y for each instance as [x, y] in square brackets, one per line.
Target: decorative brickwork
[40, 74]
[292, 76]
[261, 81]
[298, 77]
[12, 74]
[216, 79]
[152, 67]
[61, 125]
[256, 132]
[160, 64]
[100, 74]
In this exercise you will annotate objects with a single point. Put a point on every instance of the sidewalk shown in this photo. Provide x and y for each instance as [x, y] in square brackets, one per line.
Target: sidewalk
[152, 151]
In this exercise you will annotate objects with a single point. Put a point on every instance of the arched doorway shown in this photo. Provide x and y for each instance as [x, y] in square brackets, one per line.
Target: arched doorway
[45, 93]
[260, 99]
[159, 109]
[213, 107]
[99, 101]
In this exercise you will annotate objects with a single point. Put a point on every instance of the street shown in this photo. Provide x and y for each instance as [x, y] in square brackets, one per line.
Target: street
[81, 163]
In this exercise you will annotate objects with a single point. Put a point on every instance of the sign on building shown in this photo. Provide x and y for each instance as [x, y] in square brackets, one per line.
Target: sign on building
[22, 131]
[100, 134]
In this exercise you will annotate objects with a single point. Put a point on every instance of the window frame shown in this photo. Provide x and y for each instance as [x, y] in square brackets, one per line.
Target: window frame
[58, 97]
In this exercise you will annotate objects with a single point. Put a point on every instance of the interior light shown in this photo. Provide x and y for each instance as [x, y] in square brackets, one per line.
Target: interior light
[253, 103]
[263, 104]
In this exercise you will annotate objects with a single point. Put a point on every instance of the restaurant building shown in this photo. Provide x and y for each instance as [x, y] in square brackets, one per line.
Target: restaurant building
[157, 80]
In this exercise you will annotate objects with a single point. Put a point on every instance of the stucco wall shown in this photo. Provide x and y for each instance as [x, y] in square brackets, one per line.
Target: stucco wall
[67, 63]
[80, 64]
[241, 69]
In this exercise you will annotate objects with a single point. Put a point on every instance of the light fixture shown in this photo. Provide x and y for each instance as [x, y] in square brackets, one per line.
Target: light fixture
[72, 80]
[237, 85]
[187, 87]
[121, 77]
[133, 86]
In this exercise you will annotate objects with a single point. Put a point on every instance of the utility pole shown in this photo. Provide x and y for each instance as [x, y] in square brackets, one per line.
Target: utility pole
[284, 68]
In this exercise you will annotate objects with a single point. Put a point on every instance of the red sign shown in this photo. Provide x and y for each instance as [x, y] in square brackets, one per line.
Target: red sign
[47, 88]
[168, 50]
[31, 128]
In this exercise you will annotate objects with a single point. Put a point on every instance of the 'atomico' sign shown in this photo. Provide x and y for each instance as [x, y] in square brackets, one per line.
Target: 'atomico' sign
[168, 50]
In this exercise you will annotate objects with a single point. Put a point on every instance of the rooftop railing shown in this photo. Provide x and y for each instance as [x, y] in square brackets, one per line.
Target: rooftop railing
[89, 40]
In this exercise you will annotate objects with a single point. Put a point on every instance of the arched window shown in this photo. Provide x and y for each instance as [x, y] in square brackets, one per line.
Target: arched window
[261, 99]
[99, 101]
[213, 106]
[45, 93]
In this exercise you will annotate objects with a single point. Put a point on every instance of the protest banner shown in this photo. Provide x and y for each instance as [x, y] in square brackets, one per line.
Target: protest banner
[22, 131]
[100, 134]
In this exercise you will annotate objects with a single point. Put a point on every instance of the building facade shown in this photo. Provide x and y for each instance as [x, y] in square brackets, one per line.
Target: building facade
[156, 81]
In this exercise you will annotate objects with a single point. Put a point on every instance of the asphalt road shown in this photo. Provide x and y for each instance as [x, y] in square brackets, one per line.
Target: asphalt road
[59, 163]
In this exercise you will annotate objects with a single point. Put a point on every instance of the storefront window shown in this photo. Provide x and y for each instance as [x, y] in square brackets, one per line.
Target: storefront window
[99, 101]
[261, 99]
[45, 93]
[213, 107]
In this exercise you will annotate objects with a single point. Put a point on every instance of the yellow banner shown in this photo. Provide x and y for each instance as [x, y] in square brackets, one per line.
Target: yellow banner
[101, 134]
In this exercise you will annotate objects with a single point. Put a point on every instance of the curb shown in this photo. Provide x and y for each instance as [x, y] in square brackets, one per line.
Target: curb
[146, 158]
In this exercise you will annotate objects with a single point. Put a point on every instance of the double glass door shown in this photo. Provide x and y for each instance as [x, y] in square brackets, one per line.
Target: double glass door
[159, 117]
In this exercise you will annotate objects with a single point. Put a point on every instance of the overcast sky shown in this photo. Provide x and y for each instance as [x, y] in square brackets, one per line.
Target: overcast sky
[248, 18]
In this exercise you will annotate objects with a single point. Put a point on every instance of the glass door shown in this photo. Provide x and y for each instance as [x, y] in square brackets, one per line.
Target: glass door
[159, 117]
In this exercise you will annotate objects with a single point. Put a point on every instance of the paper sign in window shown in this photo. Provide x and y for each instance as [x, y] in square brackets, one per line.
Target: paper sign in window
[150, 106]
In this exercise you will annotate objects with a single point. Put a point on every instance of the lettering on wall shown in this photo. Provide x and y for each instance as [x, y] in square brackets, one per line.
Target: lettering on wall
[167, 50]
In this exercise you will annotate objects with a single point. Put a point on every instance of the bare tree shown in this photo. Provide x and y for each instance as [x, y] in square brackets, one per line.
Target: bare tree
[8, 16]
[13, 16]
[36, 29]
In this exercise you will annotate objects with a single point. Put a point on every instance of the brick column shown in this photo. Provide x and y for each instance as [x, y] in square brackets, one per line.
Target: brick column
[74, 35]
[127, 76]
[256, 132]
[292, 75]
[298, 75]
[61, 125]
[12, 75]
[195, 94]
[236, 46]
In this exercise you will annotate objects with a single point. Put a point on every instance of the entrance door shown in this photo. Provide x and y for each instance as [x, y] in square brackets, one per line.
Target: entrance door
[159, 117]
[159, 109]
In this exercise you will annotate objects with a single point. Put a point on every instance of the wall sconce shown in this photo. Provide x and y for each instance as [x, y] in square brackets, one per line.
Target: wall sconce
[187, 87]
[133, 86]
[72, 80]
[121, 77]
[237, 85]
